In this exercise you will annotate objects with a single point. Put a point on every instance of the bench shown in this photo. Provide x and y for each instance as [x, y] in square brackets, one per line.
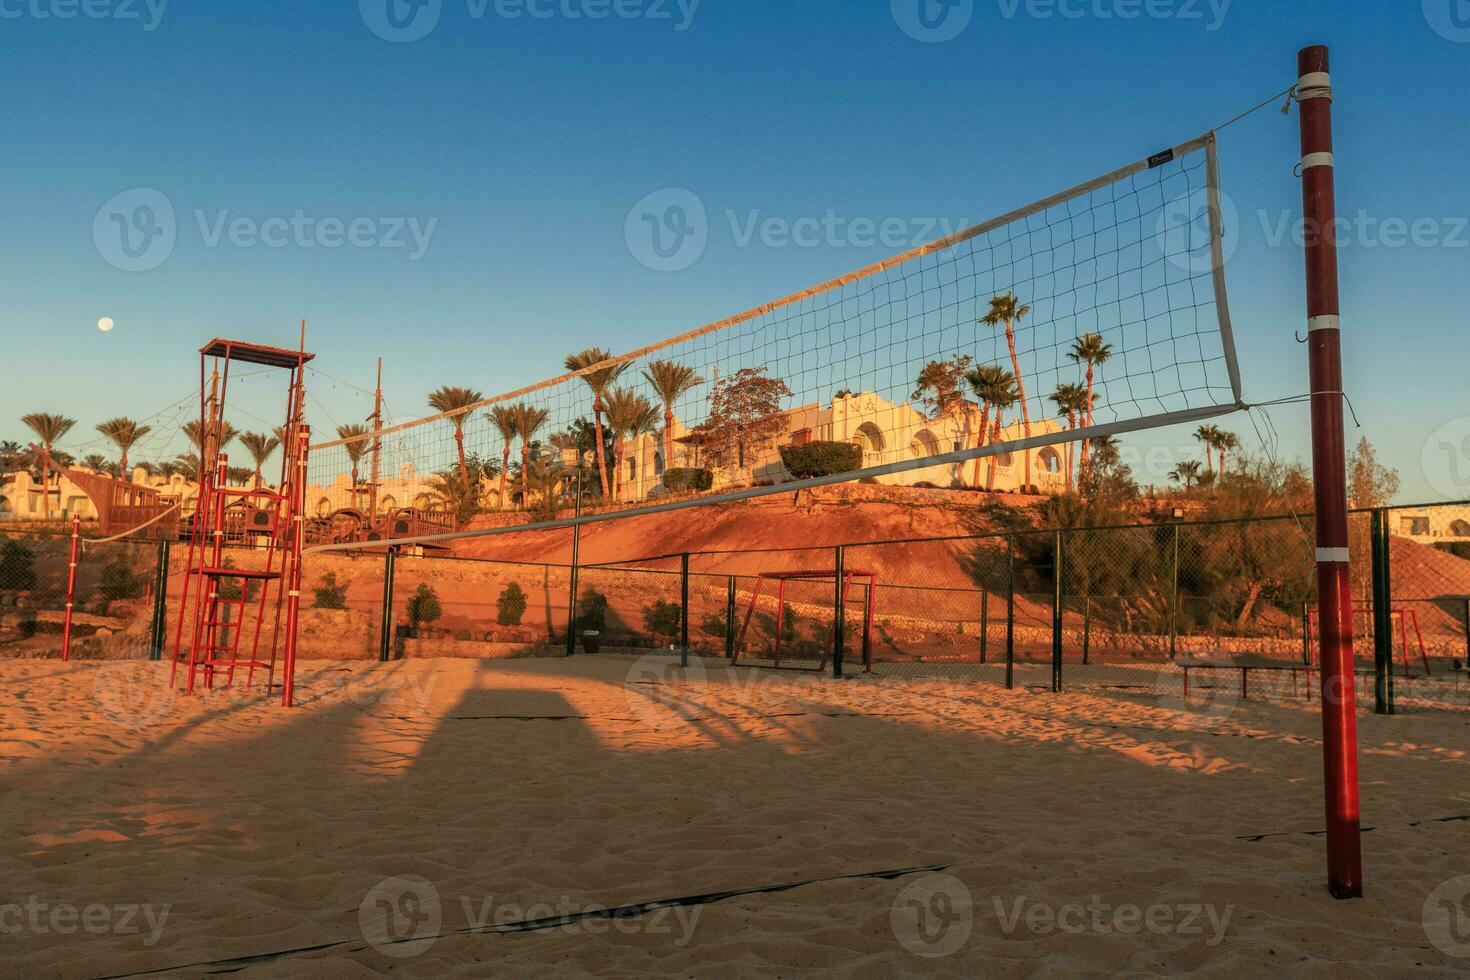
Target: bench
[1245, 665]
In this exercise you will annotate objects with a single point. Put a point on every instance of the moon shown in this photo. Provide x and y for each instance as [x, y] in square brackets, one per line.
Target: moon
[104, 324]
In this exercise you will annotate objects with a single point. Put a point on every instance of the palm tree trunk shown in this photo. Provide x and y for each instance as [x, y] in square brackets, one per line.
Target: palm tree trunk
[980, 442]
[1082, 464]
[464, 470]
[504, 469]
[995, 437]
[601, 455]
[122, 466]
[668, 437]
[46, 485]
[1071, 427]
[525, 479]
[1021, 389]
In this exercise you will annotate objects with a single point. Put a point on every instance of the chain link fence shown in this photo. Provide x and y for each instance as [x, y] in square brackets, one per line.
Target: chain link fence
[1154, 609]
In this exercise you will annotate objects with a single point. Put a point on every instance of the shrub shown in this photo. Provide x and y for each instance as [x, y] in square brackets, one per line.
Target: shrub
[330, 595]
[715, 624]
[511, 605]
[1460, 549]
[118, 581]
[821, 459]
[688, 478]
[17, 567]
[423, 607]
[663, 618]
[592, 611]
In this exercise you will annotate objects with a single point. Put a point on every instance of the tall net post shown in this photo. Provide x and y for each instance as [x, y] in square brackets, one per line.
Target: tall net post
[1329, 473]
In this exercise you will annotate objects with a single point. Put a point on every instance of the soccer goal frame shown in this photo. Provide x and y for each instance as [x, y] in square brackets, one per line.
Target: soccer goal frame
[851, 576]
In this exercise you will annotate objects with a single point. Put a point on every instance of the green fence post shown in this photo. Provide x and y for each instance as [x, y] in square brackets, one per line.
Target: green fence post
[1382, 617]
[1307, 633]
[385, 639]
[730, 619]
[838, 619]
[572, 577]
[1010, 612]
[1174, 601]
[684, 609]
[1057, 570]
[984, 623]
[160, 604]
[1086, 628]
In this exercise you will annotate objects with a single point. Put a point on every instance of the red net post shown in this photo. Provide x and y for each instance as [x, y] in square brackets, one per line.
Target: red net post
[1329, 452]
[71, 586]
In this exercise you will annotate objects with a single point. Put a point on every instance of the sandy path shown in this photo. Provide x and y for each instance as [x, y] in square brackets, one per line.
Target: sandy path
[522, 789]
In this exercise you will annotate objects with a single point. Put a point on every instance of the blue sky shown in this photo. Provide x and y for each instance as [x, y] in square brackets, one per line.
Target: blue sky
[517, 146]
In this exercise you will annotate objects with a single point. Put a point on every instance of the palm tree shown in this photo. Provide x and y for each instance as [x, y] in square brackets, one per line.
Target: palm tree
[458, 401]
[50, 429]
[1092, 350]
[503, 417]
[192, 429]
[1008, 310]
[356, 448]
[670, 382]
[123, 432]
[528, 419]
[260, 446]
[97, 463]
[1073, 401]
[1226, 442]
[983, 379]
[1186, 472]
[629, 415]
[996, 389]
[1209, 437]
[599, 381]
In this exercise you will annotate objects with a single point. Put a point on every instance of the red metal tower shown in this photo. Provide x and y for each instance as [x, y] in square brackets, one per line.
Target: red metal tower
[224, 605]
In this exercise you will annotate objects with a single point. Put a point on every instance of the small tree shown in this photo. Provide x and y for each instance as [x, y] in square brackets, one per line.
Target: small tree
[1370, 483]
[744, 415]
[511, 605]
[592, 611]
[423, 607]
[330, 595]
[663, 618]
[17, 567]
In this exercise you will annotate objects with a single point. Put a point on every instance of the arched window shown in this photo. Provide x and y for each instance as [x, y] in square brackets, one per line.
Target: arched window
[4, 504]
[1049, 460]
[658, 463]
[1458, 529]
[323, 507]
[869, 439]
[632, 468]
[388, 503]
[422, 501]
[924, 444]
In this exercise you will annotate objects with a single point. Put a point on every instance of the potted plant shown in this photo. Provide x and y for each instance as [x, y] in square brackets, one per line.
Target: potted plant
[591, 618]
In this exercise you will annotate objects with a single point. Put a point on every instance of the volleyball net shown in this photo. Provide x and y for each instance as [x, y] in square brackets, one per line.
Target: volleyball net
[977, 360]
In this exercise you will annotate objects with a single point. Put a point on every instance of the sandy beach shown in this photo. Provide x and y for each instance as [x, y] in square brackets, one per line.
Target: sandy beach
[411, 819]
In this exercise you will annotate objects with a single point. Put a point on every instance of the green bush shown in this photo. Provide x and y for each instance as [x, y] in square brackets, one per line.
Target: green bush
[17, 567]
[118, 581]
[688, 478]
[592, 611]
[511, 605]
[715, 624]
[423, 607]
[663, 618]
[821, 459]
[330, 595]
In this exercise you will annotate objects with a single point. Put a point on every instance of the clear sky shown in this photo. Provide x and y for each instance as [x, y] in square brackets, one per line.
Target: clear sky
[515, 136]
